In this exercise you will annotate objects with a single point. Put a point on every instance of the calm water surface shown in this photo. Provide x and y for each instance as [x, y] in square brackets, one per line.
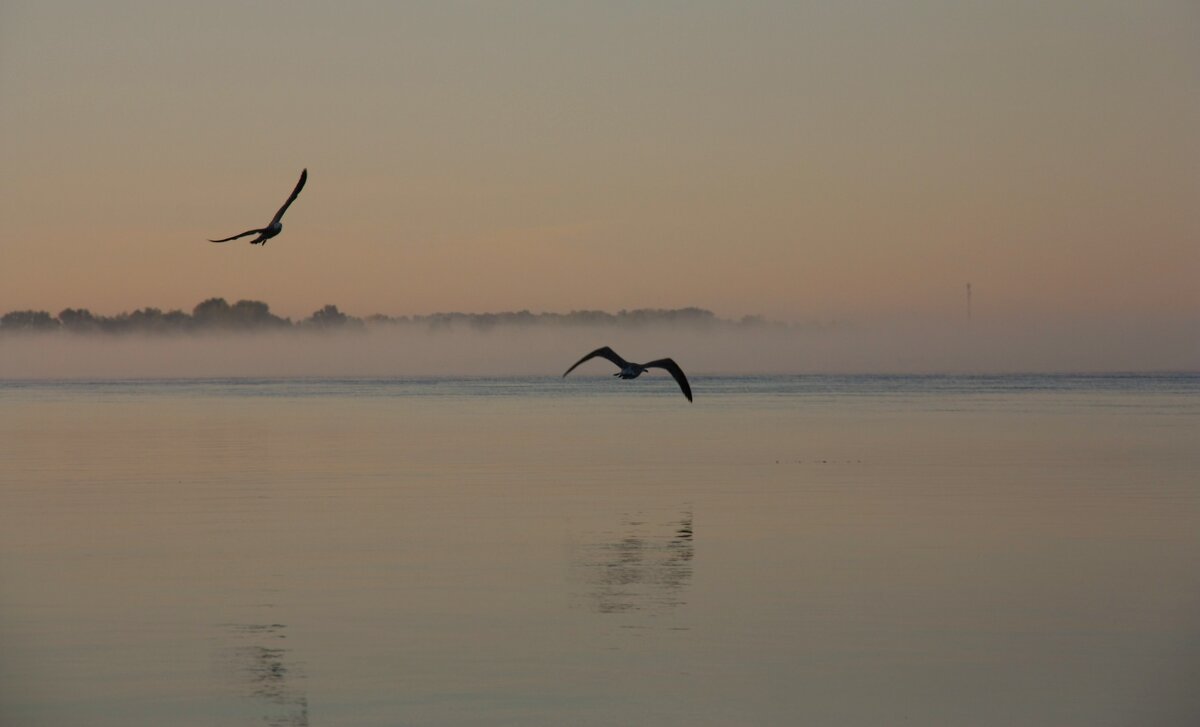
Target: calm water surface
[808, 550]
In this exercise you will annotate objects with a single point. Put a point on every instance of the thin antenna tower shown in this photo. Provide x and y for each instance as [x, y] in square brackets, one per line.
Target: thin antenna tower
[968, 302]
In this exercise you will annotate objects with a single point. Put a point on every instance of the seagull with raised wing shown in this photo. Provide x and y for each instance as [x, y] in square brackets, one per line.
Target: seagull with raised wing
[630, 370]
[276, 226]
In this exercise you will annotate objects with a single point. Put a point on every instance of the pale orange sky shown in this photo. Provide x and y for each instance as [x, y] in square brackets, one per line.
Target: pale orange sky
[834, 160]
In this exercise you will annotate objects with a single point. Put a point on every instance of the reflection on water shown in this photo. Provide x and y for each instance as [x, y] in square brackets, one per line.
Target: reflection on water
[643, 566]
[927, 551]
[261, 665]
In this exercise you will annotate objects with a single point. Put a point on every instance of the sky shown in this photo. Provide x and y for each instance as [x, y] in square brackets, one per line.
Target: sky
[806, 161]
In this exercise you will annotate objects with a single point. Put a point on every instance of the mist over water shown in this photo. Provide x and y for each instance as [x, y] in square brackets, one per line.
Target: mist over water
[386, 350]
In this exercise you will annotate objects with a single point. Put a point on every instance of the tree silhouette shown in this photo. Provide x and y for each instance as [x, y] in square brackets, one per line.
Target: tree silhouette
[78, 319]
[28, 320]
[212, 313]
[254, 315]
[331, 317]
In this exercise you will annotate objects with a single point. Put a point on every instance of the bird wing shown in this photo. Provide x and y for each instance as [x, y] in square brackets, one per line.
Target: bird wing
[292, 198]
[676, 372]
[605, 352]
[247, 232]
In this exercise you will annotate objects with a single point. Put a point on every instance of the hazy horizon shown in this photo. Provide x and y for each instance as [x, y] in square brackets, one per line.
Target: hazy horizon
[245, 339]
[506, 350]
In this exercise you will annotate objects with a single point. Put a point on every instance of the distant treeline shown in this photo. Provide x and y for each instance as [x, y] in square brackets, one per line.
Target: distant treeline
[215, 314]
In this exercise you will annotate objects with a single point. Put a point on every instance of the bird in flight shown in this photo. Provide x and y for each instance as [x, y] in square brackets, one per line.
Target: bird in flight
[273, 229]
[630, 370]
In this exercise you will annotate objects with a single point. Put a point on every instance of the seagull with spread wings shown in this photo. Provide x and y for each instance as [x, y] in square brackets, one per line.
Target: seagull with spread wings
[630, 370]
[276, 226]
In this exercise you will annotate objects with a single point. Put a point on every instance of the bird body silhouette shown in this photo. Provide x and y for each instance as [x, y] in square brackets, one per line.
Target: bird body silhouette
[276, 226]
[630, 370]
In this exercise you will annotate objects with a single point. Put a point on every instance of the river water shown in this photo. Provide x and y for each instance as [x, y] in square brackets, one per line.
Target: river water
[860, 550]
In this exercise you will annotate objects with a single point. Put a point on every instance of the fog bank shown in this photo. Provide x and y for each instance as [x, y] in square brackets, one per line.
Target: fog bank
[387, 351]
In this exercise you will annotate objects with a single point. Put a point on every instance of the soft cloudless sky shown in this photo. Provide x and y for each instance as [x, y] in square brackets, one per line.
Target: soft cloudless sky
[803, 160]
